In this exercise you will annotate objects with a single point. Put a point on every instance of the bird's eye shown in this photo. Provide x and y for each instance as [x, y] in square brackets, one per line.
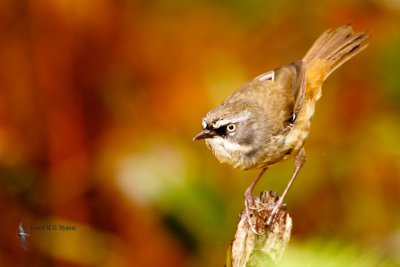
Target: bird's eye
[231, 127]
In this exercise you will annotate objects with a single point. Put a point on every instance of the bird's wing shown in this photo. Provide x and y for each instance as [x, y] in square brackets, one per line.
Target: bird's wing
[299, 86]
[21, 229]
[293, 83]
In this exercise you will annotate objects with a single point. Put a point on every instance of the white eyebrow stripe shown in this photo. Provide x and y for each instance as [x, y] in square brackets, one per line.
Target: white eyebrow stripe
[267, 76]
[204, 123]
[241, 117]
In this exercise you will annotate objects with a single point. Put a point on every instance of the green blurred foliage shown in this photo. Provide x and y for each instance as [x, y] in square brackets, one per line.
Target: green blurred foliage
[99, 101]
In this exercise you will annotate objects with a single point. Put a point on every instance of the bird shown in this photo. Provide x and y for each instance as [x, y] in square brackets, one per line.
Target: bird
[23, 236]
[267, 120]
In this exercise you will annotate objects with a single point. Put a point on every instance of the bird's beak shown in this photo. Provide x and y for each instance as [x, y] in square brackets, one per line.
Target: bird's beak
[205, 134]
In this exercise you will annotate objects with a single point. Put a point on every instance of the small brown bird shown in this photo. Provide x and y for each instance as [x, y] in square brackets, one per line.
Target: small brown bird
[268, 119]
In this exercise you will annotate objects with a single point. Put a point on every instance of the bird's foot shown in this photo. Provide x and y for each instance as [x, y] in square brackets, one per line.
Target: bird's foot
[249, 205]
[254, 209]
[274, 212]
[262, 212]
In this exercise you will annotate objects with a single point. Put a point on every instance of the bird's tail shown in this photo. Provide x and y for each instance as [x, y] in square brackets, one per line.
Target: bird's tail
[330, 51]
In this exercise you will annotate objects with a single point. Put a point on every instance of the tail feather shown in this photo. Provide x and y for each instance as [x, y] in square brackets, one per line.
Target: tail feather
[330, 51]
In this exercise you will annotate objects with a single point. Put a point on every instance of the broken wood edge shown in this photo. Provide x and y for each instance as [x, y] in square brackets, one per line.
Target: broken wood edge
[269, 241]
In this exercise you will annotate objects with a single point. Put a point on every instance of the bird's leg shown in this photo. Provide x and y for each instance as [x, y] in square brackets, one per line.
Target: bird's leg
[249, 201]
[299, 162]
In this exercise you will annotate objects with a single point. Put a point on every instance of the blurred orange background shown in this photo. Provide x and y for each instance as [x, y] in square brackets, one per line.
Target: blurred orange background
[99, 101]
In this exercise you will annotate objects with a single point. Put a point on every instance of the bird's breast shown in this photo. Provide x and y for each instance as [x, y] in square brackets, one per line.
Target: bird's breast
[227, 151]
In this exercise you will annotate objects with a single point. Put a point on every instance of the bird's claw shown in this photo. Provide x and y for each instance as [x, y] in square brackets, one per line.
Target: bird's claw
[274, 213]
[254, 207]
[249, 207]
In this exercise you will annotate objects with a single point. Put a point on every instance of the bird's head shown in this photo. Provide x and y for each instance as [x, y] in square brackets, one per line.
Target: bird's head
[231, 132]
